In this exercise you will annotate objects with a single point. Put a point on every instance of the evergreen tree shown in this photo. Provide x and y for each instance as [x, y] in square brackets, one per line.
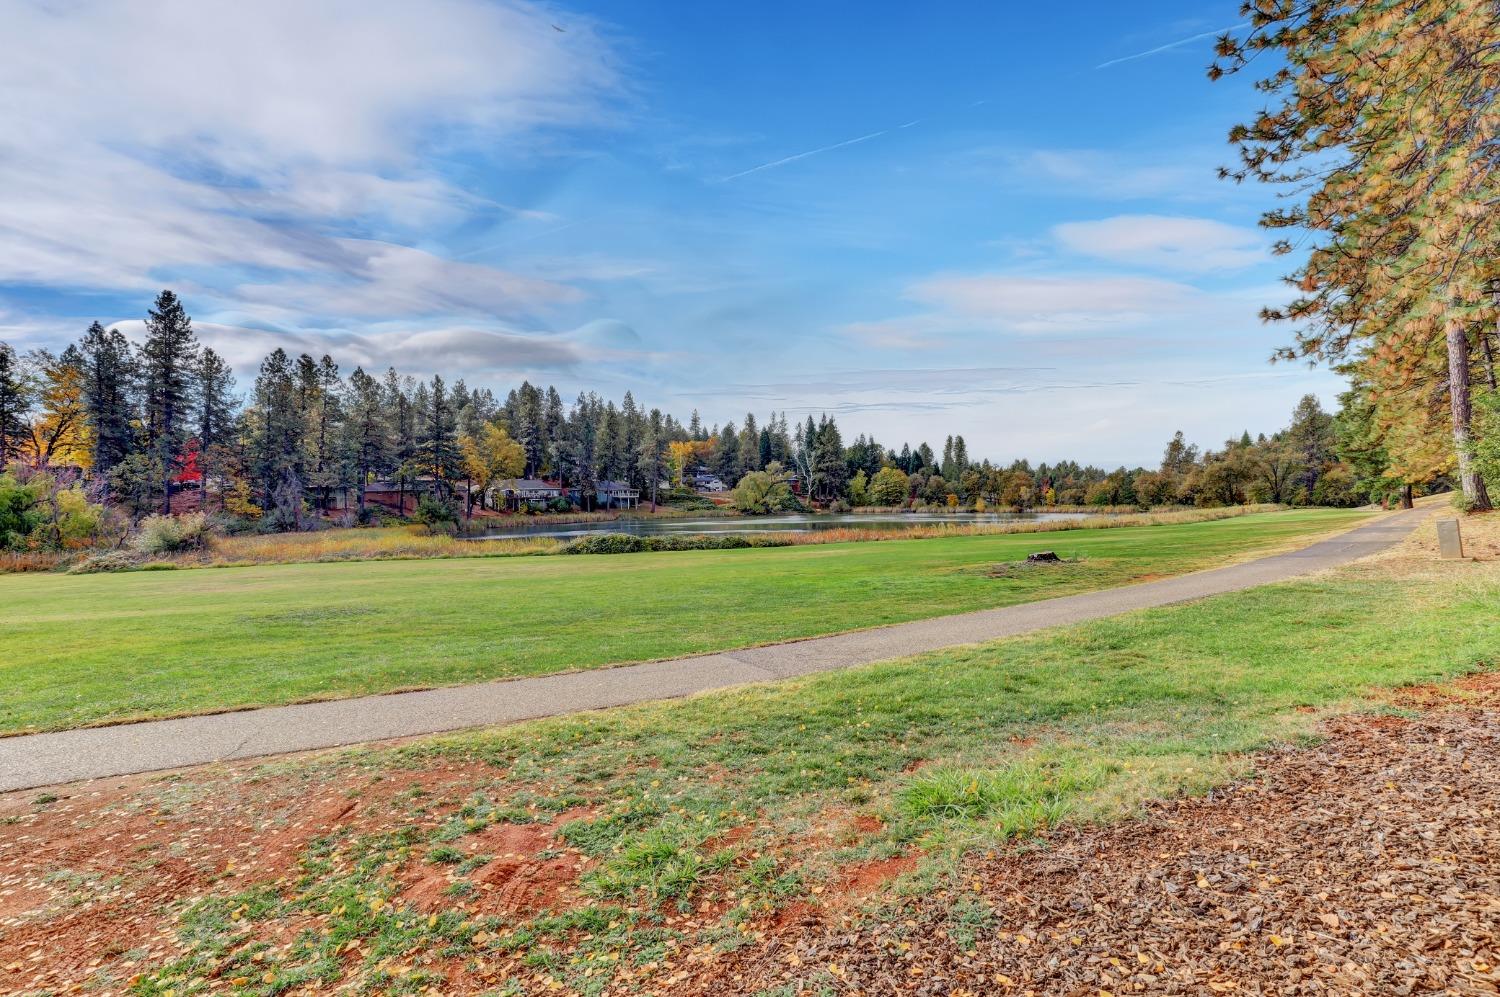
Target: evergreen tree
[215, 420]
[109, 384]
[632, 430]
[749, 447]
[15, 402]
[403, 428]
[325, 418]
[368, 431]
[553, 421]
[279, 432]
[726, 455]
[529, 427]
[830, 474]
[169, 364]
[437, 443]
[652, 452]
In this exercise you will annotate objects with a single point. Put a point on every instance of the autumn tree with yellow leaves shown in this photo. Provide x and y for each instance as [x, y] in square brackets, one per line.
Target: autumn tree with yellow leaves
[1383, 126]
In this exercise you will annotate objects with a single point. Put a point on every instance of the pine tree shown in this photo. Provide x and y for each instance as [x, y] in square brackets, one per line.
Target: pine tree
[15, 402]
[368, 431]
[325, 421]
[1382, 123]
[403, 428]
[278, 455]
[437, 442]
[830, 474]
[749, 447]
[169, 364]
[652, 452]
[109, 384]
[726, 455]
[215, 420]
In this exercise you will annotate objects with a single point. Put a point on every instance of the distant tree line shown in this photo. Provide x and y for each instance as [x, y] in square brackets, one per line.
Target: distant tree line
[132, 424]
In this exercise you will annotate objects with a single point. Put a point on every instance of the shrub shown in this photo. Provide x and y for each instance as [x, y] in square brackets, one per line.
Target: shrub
[46, 510]
[111, 560]
[626, 543]
[436, 514]
[173, 534]
[606, 543]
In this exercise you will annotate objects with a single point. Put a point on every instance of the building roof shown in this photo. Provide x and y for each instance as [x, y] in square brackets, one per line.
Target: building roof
[526, 485]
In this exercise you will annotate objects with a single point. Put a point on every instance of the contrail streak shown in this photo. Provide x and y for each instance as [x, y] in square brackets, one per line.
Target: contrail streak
[810, 152]
[1170, 45]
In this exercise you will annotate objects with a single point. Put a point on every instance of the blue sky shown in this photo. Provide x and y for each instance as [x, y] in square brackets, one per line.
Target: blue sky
[925, 219]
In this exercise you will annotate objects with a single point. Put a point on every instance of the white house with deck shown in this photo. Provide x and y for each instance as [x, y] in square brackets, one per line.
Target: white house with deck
[511, 492]
[617, 495]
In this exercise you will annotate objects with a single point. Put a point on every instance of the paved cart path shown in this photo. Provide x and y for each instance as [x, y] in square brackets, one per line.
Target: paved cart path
[35, 760]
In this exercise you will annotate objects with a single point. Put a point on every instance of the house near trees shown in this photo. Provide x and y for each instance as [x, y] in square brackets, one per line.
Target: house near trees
[617, 495]
[514, 492]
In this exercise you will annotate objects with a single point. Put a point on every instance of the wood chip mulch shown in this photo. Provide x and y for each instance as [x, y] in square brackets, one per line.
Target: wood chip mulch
[1369, 864]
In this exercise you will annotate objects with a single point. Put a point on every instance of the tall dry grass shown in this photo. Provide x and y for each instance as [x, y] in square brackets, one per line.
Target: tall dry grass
[413, 542]
[387, 543]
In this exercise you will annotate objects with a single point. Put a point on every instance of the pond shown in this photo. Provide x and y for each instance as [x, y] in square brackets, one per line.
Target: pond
[785, 523]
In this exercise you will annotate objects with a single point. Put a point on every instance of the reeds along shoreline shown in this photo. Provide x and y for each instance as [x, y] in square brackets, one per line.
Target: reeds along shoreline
[405, 543]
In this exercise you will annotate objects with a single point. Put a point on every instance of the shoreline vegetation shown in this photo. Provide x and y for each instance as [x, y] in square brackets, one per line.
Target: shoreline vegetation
[416, 542]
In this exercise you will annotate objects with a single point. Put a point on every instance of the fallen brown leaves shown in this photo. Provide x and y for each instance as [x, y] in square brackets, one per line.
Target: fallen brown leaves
[1366, 865]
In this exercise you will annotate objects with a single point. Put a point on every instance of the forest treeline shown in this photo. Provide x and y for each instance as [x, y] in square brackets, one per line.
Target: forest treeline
[110, 424]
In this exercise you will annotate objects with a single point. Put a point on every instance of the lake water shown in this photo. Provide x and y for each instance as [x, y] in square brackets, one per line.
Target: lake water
[786, 523]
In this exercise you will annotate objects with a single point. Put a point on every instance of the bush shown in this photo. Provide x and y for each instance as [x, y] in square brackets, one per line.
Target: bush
[46, 510]
[436, 514]
[173, 534]
[112, 560]
[605, 543]
[627, 543]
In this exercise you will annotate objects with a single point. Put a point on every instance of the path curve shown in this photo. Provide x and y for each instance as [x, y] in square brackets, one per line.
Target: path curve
[33, 760]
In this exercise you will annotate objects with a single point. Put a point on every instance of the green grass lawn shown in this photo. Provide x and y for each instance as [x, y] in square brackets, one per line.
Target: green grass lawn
[714, 812]
[94, 648]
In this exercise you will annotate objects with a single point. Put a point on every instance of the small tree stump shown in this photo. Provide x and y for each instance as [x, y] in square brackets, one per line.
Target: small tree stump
[1043, 557]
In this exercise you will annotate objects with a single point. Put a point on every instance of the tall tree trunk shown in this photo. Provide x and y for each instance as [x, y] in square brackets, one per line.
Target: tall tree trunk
[1462, 408]
[1406, 500]
[1487, 348]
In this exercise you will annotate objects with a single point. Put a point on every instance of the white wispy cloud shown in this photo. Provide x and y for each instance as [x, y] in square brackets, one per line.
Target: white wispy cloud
[1030, 304]
[149, 143]
[1195, 245]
